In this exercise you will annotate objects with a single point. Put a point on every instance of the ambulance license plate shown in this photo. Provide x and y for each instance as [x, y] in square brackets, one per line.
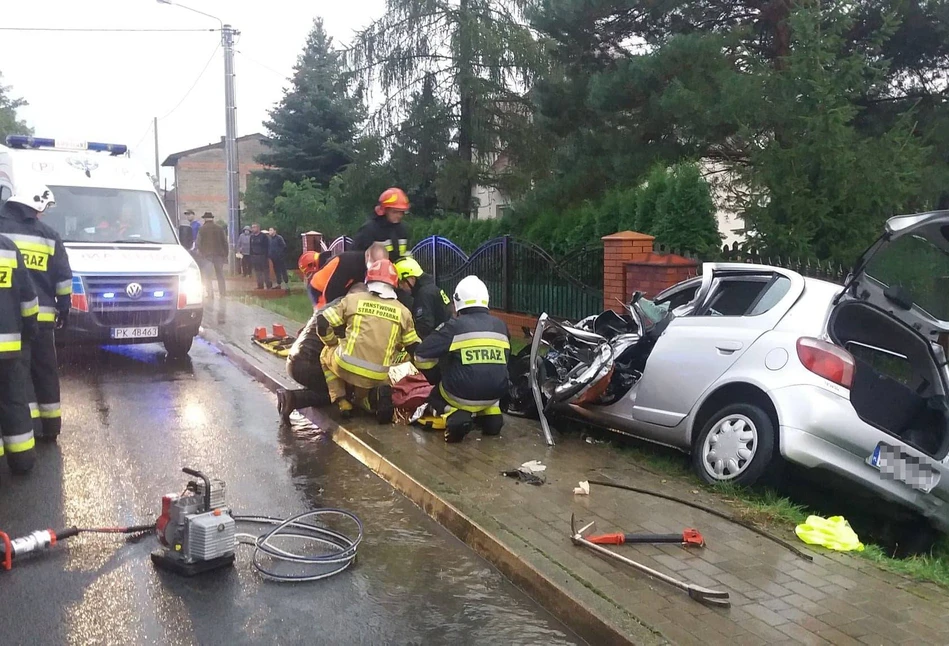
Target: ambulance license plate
[134, 332]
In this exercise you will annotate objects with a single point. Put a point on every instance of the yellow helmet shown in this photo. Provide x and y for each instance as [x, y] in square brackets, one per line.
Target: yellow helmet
[407, 267]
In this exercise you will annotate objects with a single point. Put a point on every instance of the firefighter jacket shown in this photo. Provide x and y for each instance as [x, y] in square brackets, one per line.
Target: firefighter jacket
[378, 229]
[308, 345]
[376, 331]
[467, 359]
[18, 303]
[430, 305]
[45, 257]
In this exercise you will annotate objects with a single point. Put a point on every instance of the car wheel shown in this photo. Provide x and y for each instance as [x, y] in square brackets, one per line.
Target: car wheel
[735, 445]
[178, 345]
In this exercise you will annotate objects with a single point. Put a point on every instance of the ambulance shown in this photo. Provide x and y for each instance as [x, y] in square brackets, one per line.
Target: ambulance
[133, 281]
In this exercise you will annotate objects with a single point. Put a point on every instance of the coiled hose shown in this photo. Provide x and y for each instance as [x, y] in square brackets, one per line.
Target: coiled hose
[339, 549]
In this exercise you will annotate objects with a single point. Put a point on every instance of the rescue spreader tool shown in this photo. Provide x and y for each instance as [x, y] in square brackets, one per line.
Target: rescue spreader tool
[689, 537]
[697, 592]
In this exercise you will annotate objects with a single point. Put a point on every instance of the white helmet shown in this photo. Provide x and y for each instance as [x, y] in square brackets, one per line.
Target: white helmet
[470, 292]
[36, 196]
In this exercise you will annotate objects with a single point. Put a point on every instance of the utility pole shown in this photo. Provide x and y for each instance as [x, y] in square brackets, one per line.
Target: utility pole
[157, 170]
[230, 143]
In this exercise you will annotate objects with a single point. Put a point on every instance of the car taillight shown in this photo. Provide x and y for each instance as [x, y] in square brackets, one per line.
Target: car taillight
[827, 360]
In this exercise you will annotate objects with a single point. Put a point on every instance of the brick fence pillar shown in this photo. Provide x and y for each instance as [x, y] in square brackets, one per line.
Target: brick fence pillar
[619, 249]
[312, 240]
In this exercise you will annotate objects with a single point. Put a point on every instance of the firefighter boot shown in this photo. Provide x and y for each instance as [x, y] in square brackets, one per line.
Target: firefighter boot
[345, 408]
[457, 426]
[380, 402]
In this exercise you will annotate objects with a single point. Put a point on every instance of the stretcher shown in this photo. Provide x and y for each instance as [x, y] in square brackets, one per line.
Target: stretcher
[278, 343]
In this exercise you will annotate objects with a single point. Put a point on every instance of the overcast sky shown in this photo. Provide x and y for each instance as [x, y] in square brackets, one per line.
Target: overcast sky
[108, 86]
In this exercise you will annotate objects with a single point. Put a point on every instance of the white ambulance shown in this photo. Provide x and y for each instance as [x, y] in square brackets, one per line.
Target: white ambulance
[133, 281]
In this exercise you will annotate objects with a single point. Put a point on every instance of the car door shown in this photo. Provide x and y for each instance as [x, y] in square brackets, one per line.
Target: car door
[740, 304]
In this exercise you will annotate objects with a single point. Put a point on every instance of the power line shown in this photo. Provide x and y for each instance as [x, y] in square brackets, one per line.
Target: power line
[100, 29]
[193, 85]
[266, 67]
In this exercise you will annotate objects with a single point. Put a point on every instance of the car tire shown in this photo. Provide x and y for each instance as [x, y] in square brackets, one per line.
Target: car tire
[740, 428]
[178, 345]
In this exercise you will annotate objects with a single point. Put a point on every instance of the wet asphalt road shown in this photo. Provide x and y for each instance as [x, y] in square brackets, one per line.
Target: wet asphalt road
[132, 420]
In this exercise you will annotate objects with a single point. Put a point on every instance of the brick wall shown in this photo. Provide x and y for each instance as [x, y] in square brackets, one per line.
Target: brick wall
[200, 183]
[656, 272]
[619, 249]
[515, 322]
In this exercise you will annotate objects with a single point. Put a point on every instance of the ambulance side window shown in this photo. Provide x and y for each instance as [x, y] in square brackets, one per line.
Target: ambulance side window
[5, 194]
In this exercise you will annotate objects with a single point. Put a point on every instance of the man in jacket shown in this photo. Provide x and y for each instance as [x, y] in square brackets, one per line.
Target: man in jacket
[364, 334]
[466, 360]
[430, 305]
[243, 248]
[386, 225]
[213, 247]
[337, 273]
[260, 256]
[45, 257]
[278, 256]
[18, 309]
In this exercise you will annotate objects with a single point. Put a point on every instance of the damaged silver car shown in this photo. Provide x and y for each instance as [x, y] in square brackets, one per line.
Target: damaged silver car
[746, 362]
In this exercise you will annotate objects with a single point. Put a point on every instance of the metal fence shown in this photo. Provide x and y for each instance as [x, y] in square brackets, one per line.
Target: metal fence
[340, 244]
[521, 277]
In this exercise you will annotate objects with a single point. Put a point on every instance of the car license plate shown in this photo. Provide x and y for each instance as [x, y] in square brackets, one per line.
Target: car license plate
[895, 464]
[134, 332]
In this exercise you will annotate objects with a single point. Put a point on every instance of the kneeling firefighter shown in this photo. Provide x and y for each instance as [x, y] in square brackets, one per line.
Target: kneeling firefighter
[364, 334]
[430, 305]
[466, 361]
[18, 309]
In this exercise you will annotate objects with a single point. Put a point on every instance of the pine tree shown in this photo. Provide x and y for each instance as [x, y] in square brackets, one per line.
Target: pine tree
[314, 128]
[480, 57]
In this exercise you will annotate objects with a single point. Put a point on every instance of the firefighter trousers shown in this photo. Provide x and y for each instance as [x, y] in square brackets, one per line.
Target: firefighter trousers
[458, 422]
[16, 425]
[44, 385]
[338, 379]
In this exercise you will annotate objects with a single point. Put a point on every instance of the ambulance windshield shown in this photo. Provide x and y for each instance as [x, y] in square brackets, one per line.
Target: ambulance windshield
[107, 215]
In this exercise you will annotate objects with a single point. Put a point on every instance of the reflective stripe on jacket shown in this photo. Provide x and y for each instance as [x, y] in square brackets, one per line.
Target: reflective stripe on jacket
[377, 229]
[18, 303]
[468, 357]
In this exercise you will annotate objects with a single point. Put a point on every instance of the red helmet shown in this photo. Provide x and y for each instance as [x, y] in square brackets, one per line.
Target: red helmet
[392, 198]
[309, 262]
[382, 271]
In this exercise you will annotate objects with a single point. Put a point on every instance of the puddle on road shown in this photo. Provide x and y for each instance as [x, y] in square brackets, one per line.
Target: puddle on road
[408, 563]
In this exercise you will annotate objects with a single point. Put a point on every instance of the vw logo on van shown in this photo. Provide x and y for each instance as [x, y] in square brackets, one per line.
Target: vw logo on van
[134, 291]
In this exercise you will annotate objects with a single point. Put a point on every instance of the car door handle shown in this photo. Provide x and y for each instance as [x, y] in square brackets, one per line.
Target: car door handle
[728, 347]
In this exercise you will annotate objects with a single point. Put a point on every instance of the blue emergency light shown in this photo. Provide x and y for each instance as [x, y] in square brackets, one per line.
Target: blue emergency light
[25, 141]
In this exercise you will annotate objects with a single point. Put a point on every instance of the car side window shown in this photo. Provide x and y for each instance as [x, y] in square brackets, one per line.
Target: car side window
[778, 288]
[680, 298]
[733, 297]
[5, 194]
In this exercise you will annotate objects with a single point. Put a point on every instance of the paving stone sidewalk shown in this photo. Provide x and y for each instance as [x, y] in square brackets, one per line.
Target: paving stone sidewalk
[776, 596]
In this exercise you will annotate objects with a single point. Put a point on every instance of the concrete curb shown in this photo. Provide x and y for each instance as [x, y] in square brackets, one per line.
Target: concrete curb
[586, 622]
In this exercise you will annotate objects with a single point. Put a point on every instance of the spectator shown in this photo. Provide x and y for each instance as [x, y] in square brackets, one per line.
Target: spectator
[259, 256]
[213, 247]
[195, 227]
[243, 248]
[278, 256]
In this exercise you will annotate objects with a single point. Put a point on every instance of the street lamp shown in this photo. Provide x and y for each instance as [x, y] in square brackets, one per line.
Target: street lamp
[230, 129]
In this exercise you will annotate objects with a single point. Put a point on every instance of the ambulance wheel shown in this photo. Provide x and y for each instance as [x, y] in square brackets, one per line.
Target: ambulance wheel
[178, 345]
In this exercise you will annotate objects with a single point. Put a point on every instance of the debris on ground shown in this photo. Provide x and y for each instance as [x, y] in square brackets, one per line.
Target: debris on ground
[583, 489]
[527, 472]
[833, 533]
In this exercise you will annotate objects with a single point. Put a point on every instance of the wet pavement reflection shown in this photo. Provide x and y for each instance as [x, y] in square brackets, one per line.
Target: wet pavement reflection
[132, 420]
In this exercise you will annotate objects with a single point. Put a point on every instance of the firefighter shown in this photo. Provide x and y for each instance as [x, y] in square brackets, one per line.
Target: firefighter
[18, 309]
[45, 257]
[308, 264]
[339, 272]
[364, 334]
[386, 225]
[430, 305]
[466, 360]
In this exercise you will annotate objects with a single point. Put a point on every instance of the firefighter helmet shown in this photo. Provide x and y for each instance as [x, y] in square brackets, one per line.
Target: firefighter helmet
[382, 271]
[470, 292]
[392, 198]
[309, 262]
[408, 267]
[36, 196]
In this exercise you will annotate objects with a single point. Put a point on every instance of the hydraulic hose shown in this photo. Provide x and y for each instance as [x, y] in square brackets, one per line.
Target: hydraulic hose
[708, 510]
[340, 548]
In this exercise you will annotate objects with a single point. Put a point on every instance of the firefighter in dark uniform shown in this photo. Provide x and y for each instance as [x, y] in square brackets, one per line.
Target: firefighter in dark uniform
[466, 360]
[45, 257]
[335, 274]
[18, 309]
[430, 305]
[386, 226]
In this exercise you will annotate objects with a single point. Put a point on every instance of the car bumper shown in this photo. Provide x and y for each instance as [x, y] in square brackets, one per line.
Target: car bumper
[820, 430]
[85, 329]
